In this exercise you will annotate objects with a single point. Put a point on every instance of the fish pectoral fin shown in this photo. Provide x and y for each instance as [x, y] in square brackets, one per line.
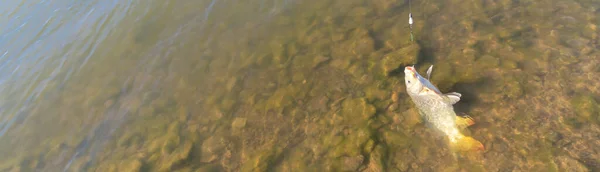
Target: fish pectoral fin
[464, 121]
[429, 72]
[453, 97]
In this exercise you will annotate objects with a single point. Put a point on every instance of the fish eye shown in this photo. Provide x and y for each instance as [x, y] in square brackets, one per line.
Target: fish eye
[408, 81]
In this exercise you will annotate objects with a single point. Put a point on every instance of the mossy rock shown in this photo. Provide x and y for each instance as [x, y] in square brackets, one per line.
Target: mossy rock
[284, 96]
[585, 107]
[512, 88]
[357, 69]
[303, 62]
[400, 58]
[108, 167]
[164, 143]
[377, 159]
[340, 63]
[212, 148]
[134, 165]
[260, 162]
[352, 144]
[368, 146]
[278, 52]
[487, 61]
[298, 77]
[319, 59]
[393, 37]
[332, 139]
[382, 6]
[373, 93]
[231, 82]
[238, 123]
[352, 163]
[345, 148]
[411, 118]
[443, 76]
[566, 163]
[176, 157]
[130, 139]
[508, 64]
[363, 43]
[358, 43]
[298, 160]
[396, 139]
[357, 110]
[210, 168]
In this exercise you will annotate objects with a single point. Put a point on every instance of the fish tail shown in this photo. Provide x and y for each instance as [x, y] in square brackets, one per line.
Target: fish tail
[466, 143]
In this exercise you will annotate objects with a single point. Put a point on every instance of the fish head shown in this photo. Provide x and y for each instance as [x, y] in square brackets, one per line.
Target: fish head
[412, 79]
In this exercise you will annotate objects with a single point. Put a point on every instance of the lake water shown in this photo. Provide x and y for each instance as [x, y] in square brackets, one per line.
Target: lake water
[291, 85]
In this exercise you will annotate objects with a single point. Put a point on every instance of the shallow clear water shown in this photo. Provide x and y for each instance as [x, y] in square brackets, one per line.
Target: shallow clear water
[294, 85]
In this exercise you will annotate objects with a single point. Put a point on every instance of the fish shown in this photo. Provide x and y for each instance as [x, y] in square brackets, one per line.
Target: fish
[438, 111]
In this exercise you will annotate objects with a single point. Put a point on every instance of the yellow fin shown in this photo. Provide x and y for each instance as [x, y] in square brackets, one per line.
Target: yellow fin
[466, 144]
[464, 121]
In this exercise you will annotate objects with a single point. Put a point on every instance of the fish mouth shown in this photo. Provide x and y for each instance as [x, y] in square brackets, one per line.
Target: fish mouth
[410, 70]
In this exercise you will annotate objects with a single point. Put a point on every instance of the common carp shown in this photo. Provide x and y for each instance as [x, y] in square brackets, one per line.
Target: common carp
[437, 109]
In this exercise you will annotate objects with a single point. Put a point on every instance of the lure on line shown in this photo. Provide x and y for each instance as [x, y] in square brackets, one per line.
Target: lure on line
[410, 22]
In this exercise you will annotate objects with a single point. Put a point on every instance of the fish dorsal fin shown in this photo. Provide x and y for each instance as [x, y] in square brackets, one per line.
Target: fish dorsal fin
[453, 97]
[429, 72]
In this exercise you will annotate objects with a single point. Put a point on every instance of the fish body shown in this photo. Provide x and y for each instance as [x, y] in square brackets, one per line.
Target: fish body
[438, 110]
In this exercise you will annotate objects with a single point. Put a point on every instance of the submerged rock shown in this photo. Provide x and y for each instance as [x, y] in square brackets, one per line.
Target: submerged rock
[357, 70]
[376, 161]
[282, 97]
[320, 59]
[512, 88]
[210, 168]
[411, 118]
[260, 162]
[238, 123]
[131, 165]
[352, 163]
[357, 110]
[212, 148]
[569, 164]
[340, 63]
[373, 93]
[396, 139]
[382, 6]
[349, 142]
[585, 107]
[487, 61]
[400, 58]
[363, 43]
[180, 154]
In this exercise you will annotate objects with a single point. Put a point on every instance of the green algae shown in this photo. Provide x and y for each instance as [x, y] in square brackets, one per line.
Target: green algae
[586, 107]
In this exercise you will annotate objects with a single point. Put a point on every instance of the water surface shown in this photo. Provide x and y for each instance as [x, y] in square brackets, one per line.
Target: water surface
[289, 85]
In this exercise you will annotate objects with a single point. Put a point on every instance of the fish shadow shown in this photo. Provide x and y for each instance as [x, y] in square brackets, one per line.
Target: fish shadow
[469, 98]
[425, 55]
